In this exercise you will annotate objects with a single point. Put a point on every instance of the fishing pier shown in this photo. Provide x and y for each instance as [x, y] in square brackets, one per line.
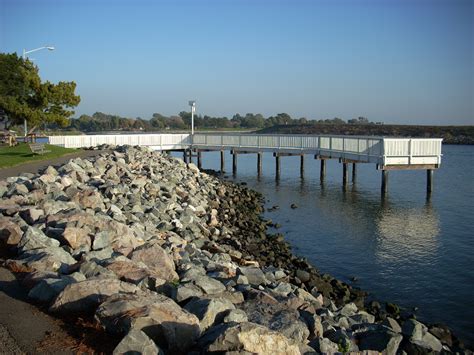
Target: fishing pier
[386, 153]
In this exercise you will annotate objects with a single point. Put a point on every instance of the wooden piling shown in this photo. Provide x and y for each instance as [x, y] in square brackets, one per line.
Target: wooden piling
[322, 173]
[185, 156]
[234, 162]
[354, 172]
[345, 174]
[302, 165]
[199, 160]
[429, 180]
[384, 181]
[259, 163]
[277, 166]
[222, 162]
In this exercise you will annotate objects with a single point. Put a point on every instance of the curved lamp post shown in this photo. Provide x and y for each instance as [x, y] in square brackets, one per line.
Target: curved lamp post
[25, 52]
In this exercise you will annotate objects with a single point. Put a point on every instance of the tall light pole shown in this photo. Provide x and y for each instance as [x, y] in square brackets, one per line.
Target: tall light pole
[25, 52]
[193, 109]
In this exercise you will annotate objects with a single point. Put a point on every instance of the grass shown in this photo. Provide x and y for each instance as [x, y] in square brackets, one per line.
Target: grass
[11, 156]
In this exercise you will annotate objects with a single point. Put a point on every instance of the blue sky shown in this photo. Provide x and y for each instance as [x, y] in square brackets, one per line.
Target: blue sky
[398, 61]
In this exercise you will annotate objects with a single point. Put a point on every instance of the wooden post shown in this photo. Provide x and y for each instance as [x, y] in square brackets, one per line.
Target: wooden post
[277, 166]
[302, 165]
[322, 174]
[429, 180]
[222, 162]
[354, 172]
[345, 174]
[384, 181]
[259, 163]
[185, 156]
[234, 162]
[199, 157]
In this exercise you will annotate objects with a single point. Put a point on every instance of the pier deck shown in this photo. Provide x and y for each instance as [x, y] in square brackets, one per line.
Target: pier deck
[386, 152]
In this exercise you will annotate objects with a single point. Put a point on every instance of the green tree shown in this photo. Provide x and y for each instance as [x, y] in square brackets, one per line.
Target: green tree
[24, 96]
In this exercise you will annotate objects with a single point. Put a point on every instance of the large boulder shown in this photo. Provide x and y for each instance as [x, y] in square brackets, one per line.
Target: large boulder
[209, 311]
[86, 295]
[34, 238]
[156, 259]
[137, 342]
[172, 328]
[247, 337]
[10, 232]
[381, 339]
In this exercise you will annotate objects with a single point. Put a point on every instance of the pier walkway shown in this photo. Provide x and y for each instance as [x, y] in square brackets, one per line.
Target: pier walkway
[386, 153]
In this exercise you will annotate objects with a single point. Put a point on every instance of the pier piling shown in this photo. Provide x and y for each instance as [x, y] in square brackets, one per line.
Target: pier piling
[322, 173]
[199, 160]
[384, 181]
[345, 174]
[354, 172]
[429, 180]
[234, 162]
[259, 163]
[302, 165]
[277, 166]
[222, 162]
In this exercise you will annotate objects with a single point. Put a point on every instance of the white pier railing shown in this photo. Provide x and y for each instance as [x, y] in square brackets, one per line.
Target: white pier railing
[408, 152]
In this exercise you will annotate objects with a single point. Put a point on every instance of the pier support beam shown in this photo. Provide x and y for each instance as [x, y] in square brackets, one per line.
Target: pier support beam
[384, 181]
[345, 174]
[302, 165]
[429, 180]
[259, 163]
[354, 172]
[222, 162]
[277, 166]
[185, 156]
[199, 160]
[234, 163]
[322, 173]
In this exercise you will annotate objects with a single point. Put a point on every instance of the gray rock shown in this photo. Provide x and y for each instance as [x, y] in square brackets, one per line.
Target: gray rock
[91, 269]
[283, 289]
[381, 340]
[10, 232]
[47, 289]
[156, 259]
[209, 285]
[247, 338]
[348, 310]
[137, 342]
[186, 291]
[392, 324]
[172, 328]
[236, 315]
[362, 317]
[209, 311]
[303, 275]
[85, 296]
[34, 238]
[101, 240]
[31, 215]
[413, 329]
[254, 275]
[324, 346]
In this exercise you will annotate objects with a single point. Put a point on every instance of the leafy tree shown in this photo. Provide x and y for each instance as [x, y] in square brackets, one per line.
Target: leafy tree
[24, 96]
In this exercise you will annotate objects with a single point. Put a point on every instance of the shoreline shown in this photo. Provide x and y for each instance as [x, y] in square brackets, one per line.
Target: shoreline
[233, 277]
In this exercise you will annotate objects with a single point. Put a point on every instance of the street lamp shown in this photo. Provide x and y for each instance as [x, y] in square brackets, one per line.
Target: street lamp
[193, 109]
[25, 52]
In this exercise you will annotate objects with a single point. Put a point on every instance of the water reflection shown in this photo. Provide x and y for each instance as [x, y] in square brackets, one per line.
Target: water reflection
[404, 234]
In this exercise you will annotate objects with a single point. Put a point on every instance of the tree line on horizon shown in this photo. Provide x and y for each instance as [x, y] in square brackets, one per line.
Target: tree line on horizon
[106, 122]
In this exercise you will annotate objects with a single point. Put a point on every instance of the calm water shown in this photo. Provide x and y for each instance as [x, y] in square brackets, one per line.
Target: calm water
[407, 249]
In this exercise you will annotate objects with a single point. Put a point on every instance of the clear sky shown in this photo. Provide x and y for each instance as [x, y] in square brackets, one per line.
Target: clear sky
[398, 61]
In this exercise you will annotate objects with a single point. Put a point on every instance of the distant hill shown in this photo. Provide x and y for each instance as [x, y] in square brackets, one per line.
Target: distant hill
[450, 134]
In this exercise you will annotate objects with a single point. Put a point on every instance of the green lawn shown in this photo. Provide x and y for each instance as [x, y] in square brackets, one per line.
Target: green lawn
[11, 156]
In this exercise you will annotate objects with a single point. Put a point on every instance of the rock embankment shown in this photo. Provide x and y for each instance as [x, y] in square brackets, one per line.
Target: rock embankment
[174, 261]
